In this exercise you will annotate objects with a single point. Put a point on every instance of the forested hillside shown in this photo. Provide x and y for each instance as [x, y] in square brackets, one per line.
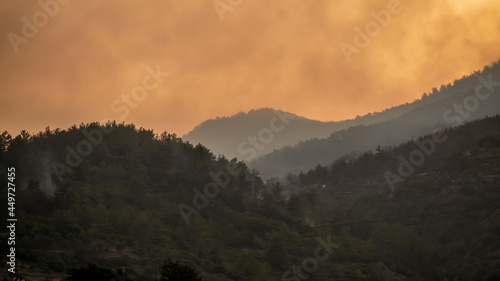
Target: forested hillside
[441, 218]
[136, 199]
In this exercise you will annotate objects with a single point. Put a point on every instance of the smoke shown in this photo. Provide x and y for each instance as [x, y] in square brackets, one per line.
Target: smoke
[264, 54]
[46, 185]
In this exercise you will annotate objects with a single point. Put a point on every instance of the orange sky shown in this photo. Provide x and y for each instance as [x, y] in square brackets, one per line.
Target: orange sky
[281, 54]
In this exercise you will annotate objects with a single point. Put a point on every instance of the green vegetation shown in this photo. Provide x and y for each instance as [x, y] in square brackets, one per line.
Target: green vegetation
[174, 271]
[96, 273]
[118, 209]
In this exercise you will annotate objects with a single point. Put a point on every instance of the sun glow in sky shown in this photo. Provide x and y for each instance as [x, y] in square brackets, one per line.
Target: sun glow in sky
[86, 55]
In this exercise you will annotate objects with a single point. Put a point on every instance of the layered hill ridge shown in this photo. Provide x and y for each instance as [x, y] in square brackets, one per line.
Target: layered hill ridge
[469, 98]
[303, 143]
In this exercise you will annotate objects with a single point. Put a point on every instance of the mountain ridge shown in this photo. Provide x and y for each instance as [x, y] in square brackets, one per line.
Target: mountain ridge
[223, 135]
[450, 106]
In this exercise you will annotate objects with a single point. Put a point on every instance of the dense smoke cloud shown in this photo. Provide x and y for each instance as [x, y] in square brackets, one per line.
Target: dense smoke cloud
[263, 54]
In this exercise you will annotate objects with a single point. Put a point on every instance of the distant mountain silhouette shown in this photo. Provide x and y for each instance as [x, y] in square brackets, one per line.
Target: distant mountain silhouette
[469, 98]
[230, 135]
[257, 132]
